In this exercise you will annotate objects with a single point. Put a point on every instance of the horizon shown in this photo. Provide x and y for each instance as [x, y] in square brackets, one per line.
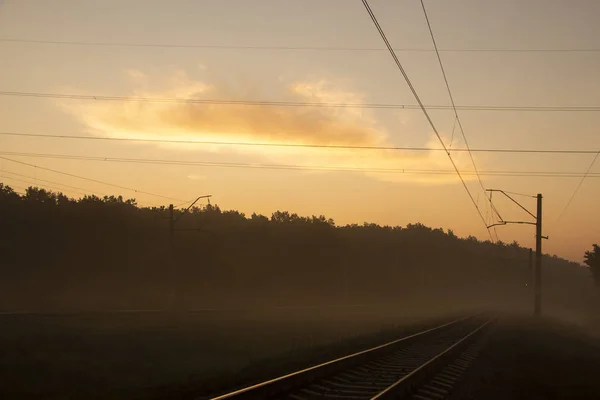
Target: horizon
[269, 216]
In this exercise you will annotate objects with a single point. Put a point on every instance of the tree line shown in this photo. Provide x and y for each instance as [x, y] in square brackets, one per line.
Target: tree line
[93, 253]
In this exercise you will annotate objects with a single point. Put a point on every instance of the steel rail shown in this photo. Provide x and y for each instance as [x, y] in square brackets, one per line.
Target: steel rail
[310, 370]
[405, 381]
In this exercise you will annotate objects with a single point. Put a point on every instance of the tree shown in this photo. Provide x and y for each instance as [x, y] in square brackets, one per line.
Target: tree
[259, 219]
[592, 259]
[108, 252]
[8, 194]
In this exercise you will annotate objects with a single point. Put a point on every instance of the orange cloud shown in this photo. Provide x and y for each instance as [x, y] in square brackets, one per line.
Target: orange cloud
[226, 122]
[262, 124]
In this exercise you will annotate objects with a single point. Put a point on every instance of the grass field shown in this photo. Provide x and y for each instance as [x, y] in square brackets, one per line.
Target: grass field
[526, 358]
[137, 355]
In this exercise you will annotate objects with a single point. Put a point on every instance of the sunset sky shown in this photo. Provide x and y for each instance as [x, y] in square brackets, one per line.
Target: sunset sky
[259, 50]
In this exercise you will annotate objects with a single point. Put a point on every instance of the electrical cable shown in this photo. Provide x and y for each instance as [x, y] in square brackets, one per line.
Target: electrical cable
[81, 190]
[89, 179]
[568, 174]
[302, 48]
[406, 171]
[35, 184]
[457, 118]
[267, 103]
[298, 145]
[415, 94]
[585, 175]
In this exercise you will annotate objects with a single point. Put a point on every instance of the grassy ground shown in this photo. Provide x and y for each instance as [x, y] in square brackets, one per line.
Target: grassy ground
[529, 359]
[142, 355]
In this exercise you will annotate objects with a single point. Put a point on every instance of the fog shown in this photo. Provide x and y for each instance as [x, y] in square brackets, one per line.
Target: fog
[99, 282]
[93, 254]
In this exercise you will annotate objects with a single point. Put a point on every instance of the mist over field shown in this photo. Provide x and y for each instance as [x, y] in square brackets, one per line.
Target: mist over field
[95, 254]
[97, 293]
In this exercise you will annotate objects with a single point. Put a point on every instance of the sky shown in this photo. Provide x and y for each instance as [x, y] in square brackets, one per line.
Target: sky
[261, 50]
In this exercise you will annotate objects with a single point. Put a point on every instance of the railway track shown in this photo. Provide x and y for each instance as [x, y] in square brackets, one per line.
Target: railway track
[424, 365]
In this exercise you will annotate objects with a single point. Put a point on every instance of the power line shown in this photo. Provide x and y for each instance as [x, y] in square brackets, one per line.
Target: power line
[185, 202]
[35, 184]
[88, 179]
[59, 190]
[415, 94]
[520, 194]
[16, 187]
[453, 129]
[267, 103]
[585, 175]
[299, 145]
[460, 126]
[457, 118]
[301, 48]
[82, 190]
[406, 171]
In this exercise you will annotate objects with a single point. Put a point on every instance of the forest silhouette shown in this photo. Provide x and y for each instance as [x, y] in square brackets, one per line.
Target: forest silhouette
[60, 253]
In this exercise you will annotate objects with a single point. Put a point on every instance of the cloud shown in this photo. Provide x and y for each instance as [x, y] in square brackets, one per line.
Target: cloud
[238, 122]
[261, 124]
